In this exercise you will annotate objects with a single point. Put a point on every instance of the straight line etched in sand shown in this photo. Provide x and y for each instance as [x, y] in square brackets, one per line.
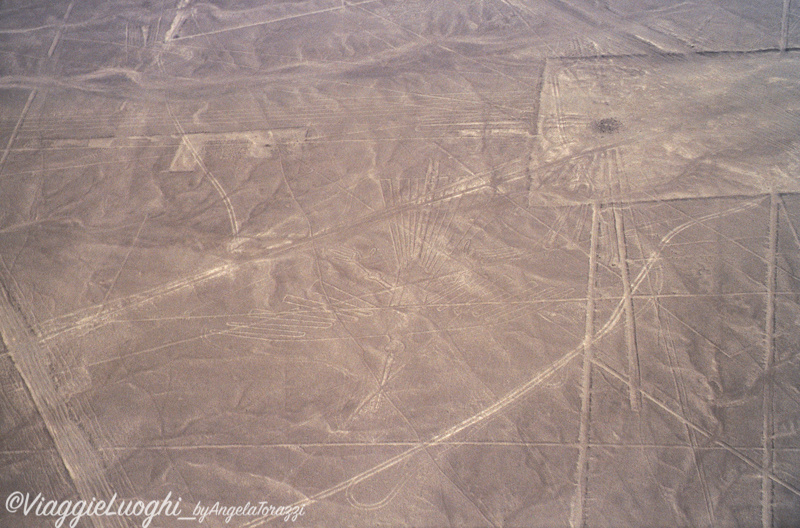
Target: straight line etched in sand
[578, 514]
[630, 323]
[769, 361]
[784, 43]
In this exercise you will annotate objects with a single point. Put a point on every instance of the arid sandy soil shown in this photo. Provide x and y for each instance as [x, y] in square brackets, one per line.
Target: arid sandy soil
[420, 263]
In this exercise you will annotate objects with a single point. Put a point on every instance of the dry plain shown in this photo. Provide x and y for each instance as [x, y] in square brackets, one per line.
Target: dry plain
[424, 263]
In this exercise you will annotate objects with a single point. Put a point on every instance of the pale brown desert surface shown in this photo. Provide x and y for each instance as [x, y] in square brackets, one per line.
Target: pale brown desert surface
[422, 263]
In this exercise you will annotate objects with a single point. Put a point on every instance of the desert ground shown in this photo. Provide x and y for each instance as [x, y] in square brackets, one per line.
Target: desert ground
[420, 263]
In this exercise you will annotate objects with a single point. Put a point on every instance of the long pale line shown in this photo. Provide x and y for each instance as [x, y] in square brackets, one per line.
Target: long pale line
[769, 361]
[578, 514]
[630, 322]
[15, 132]
[79, 456]
[60, 30]
[122, 266]
[784, 41]
[89, 318]
[272, 20]
[401, 443]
